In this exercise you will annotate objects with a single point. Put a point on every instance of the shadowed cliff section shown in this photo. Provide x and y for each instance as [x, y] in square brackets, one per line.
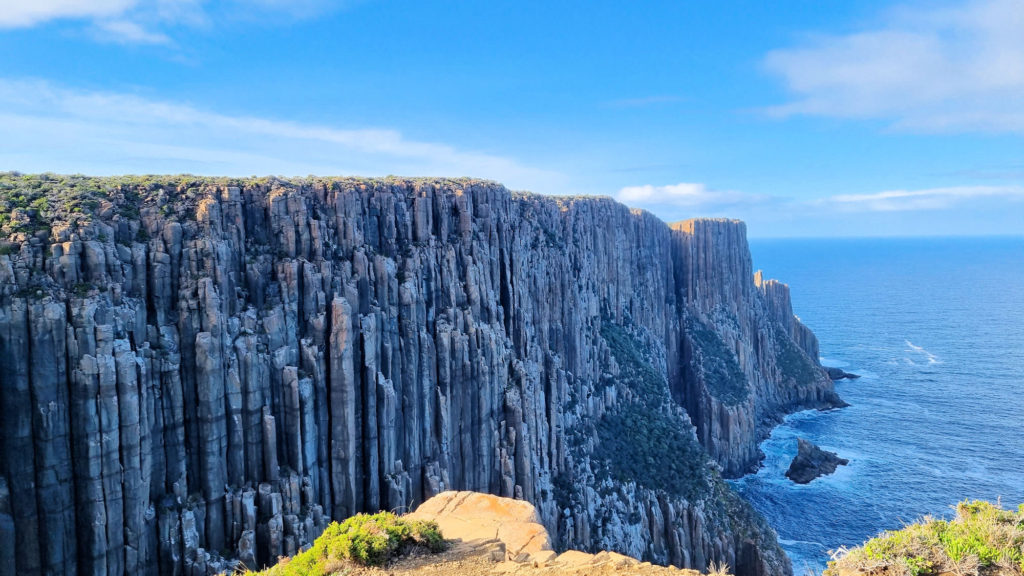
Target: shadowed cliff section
[198, 368]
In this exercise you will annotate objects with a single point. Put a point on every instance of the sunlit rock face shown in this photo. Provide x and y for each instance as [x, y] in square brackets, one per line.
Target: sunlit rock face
[196, 370]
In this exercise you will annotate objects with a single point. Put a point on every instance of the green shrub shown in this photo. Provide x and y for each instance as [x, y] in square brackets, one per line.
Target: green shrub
[369, 539]
[793, 362]
[82, 289]
[640, 376]
[644, 439]
[653, 449]
[983, 538]
[722, 373]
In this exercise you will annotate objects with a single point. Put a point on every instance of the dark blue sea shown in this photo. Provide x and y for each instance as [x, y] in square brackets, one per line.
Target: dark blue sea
[936, 329]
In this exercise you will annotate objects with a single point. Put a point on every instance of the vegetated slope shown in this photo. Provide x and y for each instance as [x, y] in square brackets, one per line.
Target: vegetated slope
[983, 539]
[363, 539]
[198, 368]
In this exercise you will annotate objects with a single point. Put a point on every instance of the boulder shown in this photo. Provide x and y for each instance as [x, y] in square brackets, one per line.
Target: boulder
[472, 516]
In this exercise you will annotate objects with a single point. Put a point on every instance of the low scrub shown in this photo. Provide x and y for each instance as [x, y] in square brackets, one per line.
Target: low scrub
[367, 539]
[722, 373]
[645, 439]
[982, 540]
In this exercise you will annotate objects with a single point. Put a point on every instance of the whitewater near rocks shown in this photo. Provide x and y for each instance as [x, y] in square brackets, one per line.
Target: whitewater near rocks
[196, 370]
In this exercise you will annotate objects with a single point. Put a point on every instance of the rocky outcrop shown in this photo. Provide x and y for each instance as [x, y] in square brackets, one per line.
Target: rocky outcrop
[471, 516]
[837, 374]
[487, 535]
[509, 531]
[201, 369]
[812, 462]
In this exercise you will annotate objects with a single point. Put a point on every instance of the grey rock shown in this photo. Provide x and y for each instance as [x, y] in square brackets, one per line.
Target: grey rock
[837, 374]
[812, 462]
[228, 371]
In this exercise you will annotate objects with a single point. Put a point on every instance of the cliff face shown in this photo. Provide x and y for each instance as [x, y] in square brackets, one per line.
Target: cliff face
[194, 369]
[747, 359]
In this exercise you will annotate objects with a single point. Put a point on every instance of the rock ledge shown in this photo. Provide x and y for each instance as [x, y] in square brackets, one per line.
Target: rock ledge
[495, 535]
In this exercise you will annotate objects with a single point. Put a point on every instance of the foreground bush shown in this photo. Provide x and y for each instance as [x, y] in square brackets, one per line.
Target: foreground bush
[982, 539]
[370, 539]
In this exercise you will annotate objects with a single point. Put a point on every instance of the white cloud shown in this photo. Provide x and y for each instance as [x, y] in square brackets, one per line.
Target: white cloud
[148, 22]
[128, 32]
[48, 127]
[685, 195]
[689, 199]
[928, 67]
[917, 200]
[25, 13]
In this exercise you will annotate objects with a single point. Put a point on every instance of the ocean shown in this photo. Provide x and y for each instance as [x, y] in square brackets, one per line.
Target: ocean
[935, 327]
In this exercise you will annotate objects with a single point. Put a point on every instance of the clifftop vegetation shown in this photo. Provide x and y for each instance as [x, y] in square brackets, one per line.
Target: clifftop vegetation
[368, 539]
[30, 202]
[982, 540]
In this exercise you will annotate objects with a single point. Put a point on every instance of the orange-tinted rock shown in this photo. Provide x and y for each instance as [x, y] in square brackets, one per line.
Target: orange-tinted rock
[475, 516]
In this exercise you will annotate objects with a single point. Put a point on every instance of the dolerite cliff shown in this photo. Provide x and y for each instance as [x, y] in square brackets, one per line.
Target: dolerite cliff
[194, 370]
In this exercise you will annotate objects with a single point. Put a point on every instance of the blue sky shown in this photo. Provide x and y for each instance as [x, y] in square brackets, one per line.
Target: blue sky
[804, 118]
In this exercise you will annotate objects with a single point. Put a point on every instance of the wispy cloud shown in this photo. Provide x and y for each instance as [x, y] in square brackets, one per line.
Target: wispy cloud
[687, 195]
[128, 32]
[930, 67]
[49, 127]
[698, 199]
[151, 21]
[22, 14]
[917, 200]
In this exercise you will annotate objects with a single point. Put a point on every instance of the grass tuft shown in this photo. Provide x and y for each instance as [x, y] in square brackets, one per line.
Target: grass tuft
[983, 539]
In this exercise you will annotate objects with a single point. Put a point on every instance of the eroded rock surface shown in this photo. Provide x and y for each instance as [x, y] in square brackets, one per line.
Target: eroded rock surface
[480, 524]
[201, 369]
[474, 516]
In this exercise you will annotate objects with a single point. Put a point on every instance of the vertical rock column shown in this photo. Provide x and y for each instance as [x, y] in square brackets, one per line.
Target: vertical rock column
[343, 405]
[49, 409]
[212, 435]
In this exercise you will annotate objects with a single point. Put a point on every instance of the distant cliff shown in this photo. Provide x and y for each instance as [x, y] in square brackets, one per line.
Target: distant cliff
[200, 368]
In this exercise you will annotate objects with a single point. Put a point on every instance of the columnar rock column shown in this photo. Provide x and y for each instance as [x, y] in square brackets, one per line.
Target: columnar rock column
[194, 371]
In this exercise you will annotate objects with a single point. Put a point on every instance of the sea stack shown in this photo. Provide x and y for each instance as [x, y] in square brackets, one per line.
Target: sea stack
[812, 462]
[837, 374]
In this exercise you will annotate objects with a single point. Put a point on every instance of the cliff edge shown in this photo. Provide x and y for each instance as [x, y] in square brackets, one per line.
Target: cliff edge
[193, 368]
[484, 535]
